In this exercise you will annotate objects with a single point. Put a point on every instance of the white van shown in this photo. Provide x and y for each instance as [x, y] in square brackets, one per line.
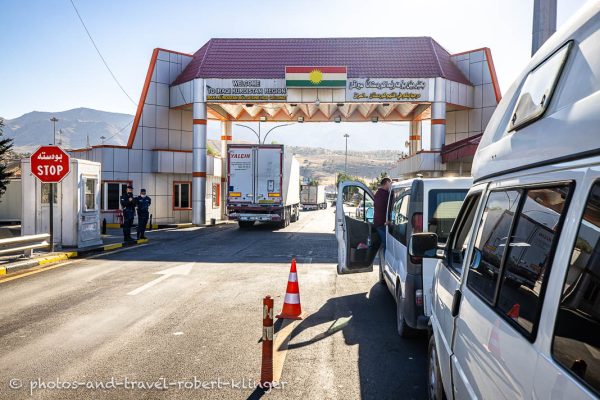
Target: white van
[516, 296]
[434, 200]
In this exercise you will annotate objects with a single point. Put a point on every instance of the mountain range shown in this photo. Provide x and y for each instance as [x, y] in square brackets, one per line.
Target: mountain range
[79, 127]
[73, 129]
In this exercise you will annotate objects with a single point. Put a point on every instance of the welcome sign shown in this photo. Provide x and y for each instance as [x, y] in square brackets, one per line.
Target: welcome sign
[380, 90]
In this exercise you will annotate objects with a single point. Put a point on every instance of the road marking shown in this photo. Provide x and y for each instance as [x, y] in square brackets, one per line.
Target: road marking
[37, 271]
[183, 269]
[280, 347]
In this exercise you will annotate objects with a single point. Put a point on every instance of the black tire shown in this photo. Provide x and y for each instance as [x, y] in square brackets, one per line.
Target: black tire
[404, 330]
[435, 387]
[285, 220]
[245, 224]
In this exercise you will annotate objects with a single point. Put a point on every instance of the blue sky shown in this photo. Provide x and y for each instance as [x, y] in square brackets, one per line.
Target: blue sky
[49, 64]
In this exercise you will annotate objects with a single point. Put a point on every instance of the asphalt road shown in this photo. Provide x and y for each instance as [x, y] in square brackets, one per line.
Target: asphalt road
[116, 320]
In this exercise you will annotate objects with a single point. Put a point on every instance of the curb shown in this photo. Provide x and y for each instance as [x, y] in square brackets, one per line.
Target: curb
[18, 266]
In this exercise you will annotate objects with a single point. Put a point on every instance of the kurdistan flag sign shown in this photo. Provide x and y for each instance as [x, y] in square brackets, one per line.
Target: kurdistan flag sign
[307, 77]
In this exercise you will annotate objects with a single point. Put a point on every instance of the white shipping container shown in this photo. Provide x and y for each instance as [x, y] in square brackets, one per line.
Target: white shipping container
[313, 197]
[263, 184]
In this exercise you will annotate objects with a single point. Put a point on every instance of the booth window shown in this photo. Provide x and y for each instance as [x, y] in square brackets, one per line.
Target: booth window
[90, 194]
[46, 193]
[111, 193]
[536, 93]
[182, 195]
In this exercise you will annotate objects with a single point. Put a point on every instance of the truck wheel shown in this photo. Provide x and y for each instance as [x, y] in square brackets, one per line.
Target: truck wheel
[284, 219]
[435, 388]
[404, 330]
[245, 224]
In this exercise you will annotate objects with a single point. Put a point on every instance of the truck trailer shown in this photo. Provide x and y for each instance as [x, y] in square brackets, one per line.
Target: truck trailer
[312, 197]
[263, 184]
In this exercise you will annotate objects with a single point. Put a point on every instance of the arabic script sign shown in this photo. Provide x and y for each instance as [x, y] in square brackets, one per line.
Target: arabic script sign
[245, 90]
[50, 164]
[387, 90]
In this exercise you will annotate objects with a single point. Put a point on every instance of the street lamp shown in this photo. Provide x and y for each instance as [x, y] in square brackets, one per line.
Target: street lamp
[102, 138]
[258, 135]
[54, 120]
[346, 161]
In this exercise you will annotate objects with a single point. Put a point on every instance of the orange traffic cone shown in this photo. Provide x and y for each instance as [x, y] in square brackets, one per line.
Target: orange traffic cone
[514, 311]
[291, 305]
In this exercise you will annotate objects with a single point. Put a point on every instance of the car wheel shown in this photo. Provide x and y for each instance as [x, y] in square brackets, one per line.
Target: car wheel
[404, 330]
[435, 388]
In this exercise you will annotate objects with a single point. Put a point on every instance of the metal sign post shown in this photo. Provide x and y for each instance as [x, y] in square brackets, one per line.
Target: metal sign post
[50, 164]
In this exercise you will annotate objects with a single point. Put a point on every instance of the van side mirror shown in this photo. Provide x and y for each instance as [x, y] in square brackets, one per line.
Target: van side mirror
[423, 245]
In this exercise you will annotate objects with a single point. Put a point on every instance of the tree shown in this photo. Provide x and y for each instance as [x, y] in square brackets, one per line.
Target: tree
[375, 183]
[350, 191]
[211, 151]
[6, 153]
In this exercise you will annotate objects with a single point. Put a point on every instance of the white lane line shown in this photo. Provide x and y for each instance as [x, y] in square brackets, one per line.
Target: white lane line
[183, 269]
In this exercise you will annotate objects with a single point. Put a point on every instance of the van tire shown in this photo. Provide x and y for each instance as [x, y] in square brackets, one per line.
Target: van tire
[404, 330]
[435, 387]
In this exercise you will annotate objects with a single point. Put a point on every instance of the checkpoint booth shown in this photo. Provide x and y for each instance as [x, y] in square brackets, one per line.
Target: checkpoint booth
[76, 204]
[444, 99]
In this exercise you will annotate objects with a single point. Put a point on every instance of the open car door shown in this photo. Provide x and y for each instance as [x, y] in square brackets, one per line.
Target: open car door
[358, 242]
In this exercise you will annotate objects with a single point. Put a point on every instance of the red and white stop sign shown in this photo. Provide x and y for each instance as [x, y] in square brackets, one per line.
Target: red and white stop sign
[50, 164]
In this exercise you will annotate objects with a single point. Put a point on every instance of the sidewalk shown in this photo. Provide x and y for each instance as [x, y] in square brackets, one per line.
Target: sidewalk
[112, 240]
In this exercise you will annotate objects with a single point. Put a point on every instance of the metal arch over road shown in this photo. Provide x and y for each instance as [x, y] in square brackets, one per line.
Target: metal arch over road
[412, 79]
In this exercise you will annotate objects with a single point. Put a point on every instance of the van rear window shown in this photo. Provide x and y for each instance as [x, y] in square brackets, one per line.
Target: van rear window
[444, 205]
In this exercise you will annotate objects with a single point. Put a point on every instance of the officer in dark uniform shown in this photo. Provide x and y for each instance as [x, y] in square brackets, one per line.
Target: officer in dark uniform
[128, 203]
[143, 210]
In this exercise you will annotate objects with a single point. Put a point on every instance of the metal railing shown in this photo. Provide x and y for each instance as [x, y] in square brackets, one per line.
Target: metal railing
[24, 244]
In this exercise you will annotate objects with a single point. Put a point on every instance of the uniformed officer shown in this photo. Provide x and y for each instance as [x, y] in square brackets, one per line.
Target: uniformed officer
[128, 203]
[143, 210]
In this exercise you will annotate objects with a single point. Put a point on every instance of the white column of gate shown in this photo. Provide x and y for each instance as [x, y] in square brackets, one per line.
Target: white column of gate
[438, 116]
[199, 155]
[226, 137]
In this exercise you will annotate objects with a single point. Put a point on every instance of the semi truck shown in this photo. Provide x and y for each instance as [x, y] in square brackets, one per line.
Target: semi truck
[312, 197]
[263, 184]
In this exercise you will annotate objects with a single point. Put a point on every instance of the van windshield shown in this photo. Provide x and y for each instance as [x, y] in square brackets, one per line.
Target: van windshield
[444, 205]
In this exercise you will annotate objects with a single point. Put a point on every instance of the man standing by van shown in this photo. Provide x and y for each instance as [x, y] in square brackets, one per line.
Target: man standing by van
[381, 201]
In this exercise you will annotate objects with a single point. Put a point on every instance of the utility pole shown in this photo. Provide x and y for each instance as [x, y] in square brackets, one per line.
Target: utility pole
[346, 160]
[54, 121]
[544, 22]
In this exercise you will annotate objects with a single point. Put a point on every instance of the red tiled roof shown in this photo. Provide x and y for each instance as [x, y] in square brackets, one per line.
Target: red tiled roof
[463, 148]
[391, 57]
